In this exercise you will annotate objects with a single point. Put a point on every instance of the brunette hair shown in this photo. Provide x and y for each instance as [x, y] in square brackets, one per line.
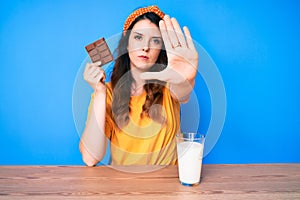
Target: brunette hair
[122, 80]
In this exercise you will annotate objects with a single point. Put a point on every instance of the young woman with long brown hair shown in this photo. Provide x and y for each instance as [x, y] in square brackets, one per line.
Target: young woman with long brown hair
[139, 109]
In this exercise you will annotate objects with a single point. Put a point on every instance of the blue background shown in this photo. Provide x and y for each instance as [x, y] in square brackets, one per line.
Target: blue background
[255, 45]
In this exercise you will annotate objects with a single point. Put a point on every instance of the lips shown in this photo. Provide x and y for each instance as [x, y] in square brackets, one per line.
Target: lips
[143, 57]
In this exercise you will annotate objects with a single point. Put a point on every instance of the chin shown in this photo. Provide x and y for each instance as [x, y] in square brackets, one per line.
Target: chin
[144, 67]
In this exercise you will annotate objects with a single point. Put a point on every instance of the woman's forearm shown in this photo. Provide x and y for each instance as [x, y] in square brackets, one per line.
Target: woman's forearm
[93, 141]
[182, 91]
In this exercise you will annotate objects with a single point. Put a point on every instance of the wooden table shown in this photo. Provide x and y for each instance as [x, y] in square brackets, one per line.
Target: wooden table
[280, 181]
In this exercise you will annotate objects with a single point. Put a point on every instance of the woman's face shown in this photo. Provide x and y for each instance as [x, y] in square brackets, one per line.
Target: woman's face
[144, 45]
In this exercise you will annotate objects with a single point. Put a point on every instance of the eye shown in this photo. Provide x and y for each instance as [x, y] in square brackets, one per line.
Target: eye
[156, 41]
[138, 37]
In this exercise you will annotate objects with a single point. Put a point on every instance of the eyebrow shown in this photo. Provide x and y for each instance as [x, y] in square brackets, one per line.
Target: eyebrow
[138, 33]
[143, 34]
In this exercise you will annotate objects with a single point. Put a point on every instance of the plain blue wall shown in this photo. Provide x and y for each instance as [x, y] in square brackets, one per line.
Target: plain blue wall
[255, 45]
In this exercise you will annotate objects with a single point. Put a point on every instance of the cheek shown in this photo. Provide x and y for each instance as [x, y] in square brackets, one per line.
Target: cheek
[155, 53]
[132, 51]
[133, 46]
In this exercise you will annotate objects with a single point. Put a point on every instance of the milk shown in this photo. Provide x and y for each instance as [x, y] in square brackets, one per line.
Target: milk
[189, 161]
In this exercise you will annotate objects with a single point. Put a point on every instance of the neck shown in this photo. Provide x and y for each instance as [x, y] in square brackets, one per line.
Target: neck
[137, 85]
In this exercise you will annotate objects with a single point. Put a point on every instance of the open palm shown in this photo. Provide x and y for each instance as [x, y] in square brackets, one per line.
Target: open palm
[181, 52]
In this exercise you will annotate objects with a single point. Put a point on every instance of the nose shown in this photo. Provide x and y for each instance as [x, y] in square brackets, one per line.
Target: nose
[146, 46]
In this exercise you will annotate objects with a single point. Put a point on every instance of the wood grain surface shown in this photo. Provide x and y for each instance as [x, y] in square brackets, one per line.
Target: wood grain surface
[276, 181]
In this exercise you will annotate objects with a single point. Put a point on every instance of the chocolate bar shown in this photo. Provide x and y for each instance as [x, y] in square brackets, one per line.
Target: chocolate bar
[99, 51]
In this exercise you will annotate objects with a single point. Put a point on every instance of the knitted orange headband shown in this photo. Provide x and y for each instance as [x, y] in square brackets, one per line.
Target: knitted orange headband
[140, 12]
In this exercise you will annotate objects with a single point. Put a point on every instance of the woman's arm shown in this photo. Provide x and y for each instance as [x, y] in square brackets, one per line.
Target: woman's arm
[93, 141]
[182, 91]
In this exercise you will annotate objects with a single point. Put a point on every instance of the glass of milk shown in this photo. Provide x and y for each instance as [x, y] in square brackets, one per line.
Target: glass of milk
[189, 151]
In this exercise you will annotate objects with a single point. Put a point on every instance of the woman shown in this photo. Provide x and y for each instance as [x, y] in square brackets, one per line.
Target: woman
[139, 110]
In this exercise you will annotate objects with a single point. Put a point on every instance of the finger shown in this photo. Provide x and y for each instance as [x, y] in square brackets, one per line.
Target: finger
[94, 65]
[96, 72]
[189, 39]
[87, 67]
[98, 63]
[161, 76]
[165, 37]
[178, 32]
[90, 65]
[170, 31]
[90, 68]
[99, 76]
[87, 71]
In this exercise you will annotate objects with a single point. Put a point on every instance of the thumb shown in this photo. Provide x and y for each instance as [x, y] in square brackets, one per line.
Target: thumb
[161, 76]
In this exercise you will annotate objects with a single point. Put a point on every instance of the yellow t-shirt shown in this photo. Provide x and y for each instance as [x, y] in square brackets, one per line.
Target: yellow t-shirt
[143, 141]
